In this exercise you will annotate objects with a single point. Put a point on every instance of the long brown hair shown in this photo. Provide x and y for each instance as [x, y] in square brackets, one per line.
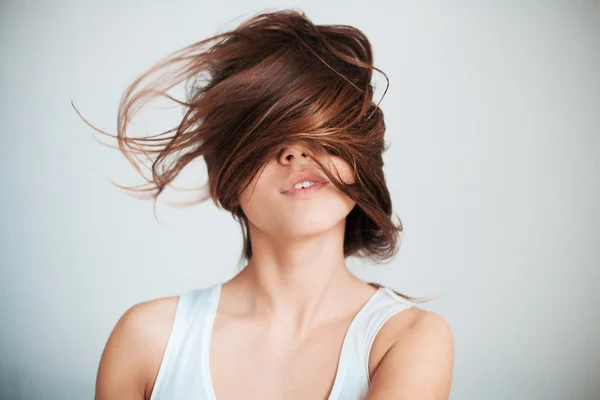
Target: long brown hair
[275, 79]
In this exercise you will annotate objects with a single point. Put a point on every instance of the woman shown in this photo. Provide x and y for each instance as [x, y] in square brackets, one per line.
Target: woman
[281, 111]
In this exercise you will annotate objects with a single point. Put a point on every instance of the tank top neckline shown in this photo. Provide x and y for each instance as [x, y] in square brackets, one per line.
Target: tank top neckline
[340, 369]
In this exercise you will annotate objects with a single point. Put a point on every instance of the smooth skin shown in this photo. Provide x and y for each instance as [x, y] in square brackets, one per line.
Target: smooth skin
[294, 302]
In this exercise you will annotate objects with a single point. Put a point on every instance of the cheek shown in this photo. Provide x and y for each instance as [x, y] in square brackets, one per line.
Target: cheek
[251, 190]
[255, 200]
[244, 196]
[344, 169]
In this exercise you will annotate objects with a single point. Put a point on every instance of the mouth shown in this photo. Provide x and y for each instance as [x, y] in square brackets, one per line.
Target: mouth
[301, 192]
[304, 185]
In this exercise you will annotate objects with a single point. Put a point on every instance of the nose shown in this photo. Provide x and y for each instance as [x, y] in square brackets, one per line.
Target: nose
[295, 153]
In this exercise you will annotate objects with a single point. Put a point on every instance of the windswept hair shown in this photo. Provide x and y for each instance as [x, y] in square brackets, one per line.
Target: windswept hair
[276, 79]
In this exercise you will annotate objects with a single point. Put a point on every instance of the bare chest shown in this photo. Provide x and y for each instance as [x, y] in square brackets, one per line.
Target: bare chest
[264, 364]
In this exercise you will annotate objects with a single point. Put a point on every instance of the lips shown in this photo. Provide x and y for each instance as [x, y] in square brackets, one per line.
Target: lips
[303, 176]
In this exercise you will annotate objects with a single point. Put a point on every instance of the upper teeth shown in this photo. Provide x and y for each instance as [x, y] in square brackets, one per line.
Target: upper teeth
[303, 185]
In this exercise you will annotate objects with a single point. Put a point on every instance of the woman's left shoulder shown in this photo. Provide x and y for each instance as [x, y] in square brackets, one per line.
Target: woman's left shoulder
[419, 360]
[430, 325]
[416, 323]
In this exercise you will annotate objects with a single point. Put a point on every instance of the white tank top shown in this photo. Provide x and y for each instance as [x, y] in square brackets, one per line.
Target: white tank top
[184, 371]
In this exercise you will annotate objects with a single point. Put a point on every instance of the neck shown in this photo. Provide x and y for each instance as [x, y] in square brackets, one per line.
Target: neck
[297, 282]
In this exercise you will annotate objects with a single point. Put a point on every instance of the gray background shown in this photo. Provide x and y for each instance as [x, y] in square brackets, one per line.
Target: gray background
[494, 164]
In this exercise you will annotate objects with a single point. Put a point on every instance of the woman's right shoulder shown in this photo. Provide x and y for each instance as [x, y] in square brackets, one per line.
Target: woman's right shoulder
[150, 318]
[134, 350]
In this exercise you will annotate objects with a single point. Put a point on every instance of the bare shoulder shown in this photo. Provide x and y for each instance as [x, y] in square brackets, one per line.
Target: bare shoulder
[134, 350]
[149, 319]
[419, 361]
[421, 325]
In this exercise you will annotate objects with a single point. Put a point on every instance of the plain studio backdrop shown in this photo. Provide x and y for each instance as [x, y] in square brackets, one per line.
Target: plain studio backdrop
[493, 166]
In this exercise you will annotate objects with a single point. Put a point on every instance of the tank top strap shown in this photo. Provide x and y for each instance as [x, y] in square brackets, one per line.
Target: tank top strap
[377, 312]
[386, 306]
[187, 333]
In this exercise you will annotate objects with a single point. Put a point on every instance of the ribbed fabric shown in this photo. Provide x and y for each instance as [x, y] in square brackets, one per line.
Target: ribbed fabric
[185, 374]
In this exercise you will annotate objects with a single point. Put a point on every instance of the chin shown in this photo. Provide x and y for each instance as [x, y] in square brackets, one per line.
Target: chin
[303, 220]
[306, 227]
[304, 230]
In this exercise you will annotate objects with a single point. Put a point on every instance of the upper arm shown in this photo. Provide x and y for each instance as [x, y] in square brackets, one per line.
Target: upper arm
[134, 350]
[419, 364]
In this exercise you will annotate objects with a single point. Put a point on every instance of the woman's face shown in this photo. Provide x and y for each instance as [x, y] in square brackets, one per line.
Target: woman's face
[277, 202]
